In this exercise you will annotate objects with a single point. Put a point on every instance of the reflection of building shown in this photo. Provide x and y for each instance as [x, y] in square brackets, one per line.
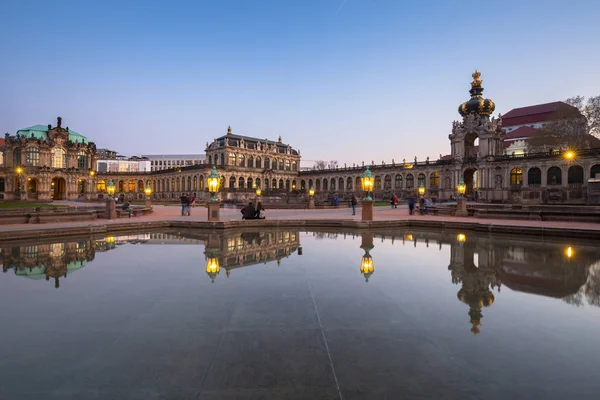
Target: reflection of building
[45, 261]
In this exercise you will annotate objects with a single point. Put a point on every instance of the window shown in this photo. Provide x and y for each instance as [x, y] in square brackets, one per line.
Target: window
[242, 160]
[2, 185]
[377, 182]
[281, 165]
[575, 174]
[294, 166]
[534, 176]
[258, 163]
[59, 159]
[17, 157]
[287, 165]
[101, 186]
[232, 160]
[554, 176]
[410, 181]
[421, 180]
[249, 186]
[250, 162]
[131, 186]
[398, 182]
[434, 179]
[516, 176]
[595, 171]
[33, 156]
[82, 160]
[232, 182]
[267, 164]
[241, 182]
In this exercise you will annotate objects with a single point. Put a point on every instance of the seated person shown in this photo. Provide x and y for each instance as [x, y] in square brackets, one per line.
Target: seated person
[260, 211]
[127, 207]
[248, 212]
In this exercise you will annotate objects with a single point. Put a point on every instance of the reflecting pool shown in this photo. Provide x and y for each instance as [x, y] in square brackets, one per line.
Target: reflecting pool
[300, 315]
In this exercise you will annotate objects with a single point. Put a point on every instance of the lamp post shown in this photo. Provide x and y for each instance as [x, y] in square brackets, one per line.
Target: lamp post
[214, 182]
[19, 171]
[148, 192]
[421, 191]
[461, 204]
[311, 198]
[367, 202]
[366, 264]
[258, 192]
[111, 207]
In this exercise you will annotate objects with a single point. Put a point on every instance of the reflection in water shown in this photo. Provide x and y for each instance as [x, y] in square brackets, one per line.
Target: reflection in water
[480, 265]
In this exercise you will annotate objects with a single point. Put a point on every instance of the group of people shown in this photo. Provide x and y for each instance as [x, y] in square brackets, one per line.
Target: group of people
[187, 202]
[424, 204]
[250, 212]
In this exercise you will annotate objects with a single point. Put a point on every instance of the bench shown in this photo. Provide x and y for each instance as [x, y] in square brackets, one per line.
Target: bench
[442, 210]
[136, 212]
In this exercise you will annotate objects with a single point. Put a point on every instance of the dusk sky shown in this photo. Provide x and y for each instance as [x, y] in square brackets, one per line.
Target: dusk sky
[354, 80]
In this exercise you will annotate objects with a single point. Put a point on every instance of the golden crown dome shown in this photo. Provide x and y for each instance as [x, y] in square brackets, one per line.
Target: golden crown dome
[476, 104]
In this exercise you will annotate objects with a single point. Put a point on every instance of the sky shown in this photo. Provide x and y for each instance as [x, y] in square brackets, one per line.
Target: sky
[352, 81]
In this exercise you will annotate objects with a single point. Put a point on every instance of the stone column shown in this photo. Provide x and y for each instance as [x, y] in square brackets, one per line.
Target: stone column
[367, 210]
[213, 210]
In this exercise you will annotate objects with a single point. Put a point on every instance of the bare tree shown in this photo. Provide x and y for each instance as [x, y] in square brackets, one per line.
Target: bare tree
[574, 125]
[332, 164]
[320, 165]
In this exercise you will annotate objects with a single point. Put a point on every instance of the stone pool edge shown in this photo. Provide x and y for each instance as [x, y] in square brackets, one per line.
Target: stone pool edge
[476, 226]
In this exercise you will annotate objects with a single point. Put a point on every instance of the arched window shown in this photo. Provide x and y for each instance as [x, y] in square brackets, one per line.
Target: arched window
[349, 184]
[281, 184]
[325, 185]
[294, 184]
[274, 183]
[32, 184]
[434, 179]
[17, 157]
[101, 186]
[210, 160]
[287, 185]
[287, 165]
[172, 185]
[280, 165]
[302, 184]
[242, 161]
[398, 181]
[82, 160]
[595, 171]
[516, 176]
[257, 181]
[81, 184]
[121, 187]
[332, 185]
[317, 185]
[258, 162]
[201, 182]
[534, 176]
[131, 186]
[377, 182]
[232, 182]
[421, 180]
[241, 183]
[178, 184]
[341, 184]
[358, 183]
[250, 183]
[222, 159]
[250, 162]
[267, 163]
[141, 186]
[32, 156]
[232, 159]
[59, 159]
[195, 182]
[554, 176]
[447, 183]
[294, 166]
[387, 182]
[410, 181]
[575, 175]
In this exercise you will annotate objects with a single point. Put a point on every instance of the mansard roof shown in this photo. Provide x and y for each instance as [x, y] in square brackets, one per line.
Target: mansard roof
[41, 132]
[251, 142]
[539, 113]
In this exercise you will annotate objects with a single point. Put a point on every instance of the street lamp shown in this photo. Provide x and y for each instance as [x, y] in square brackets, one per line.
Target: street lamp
[461, 204]
[570, 154]
[92, 172]
[311, 198]
[110, 189]
[19, 171]
[461, 238]
[367, 183]
[421, 190]
[148, 192]
[214, 182]
[111, 207]
[258, 191]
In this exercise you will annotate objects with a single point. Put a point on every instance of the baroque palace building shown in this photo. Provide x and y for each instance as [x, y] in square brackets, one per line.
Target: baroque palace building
[44, 163]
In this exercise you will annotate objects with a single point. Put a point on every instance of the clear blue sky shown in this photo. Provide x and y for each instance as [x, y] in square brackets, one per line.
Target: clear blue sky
[355, 80]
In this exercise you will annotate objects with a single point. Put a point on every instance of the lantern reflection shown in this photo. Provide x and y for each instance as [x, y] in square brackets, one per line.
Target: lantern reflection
[366, 265]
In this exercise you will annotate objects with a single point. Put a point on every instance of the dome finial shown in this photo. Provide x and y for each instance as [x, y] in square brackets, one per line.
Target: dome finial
[229, 130]
[476, 81]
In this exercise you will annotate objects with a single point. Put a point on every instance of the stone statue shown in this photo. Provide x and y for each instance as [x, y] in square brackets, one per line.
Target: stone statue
[393, 163]
[415, 159]
[58, 122]
[427, 160]
[404, 161]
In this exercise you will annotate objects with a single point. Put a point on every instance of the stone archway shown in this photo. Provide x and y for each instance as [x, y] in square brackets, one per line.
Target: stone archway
[471, 179]
[58, 188]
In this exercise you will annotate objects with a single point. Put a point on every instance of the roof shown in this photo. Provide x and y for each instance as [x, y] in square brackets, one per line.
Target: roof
[523, 132]
[539, 113]
[175, 156]
[252, 140]
[1, 142]
[41, 132]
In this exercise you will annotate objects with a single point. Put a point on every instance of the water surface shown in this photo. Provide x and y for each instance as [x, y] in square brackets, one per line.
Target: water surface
[300, 315]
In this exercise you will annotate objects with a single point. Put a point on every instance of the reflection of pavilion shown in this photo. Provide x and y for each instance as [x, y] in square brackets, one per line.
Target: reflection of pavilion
[45, 261]
[238, 250]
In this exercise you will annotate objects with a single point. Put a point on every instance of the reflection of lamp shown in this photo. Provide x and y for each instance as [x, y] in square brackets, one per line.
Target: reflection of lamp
[569, 252]
[212, 268]
[366, 265]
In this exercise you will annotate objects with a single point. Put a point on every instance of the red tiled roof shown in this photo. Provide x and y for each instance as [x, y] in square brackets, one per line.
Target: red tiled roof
[446, 157]
[523, 132]
[1, 142]
[538, 113]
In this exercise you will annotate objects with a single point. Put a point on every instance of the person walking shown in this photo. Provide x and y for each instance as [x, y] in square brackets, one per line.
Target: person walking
[193, 201]
[353, 202]
[411, 206]
[184, 203]
[188, 207]
[427, 204]
[395, 200]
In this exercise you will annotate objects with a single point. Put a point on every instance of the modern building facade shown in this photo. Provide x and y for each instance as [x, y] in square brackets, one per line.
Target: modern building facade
[123, 164]
[161, 162]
